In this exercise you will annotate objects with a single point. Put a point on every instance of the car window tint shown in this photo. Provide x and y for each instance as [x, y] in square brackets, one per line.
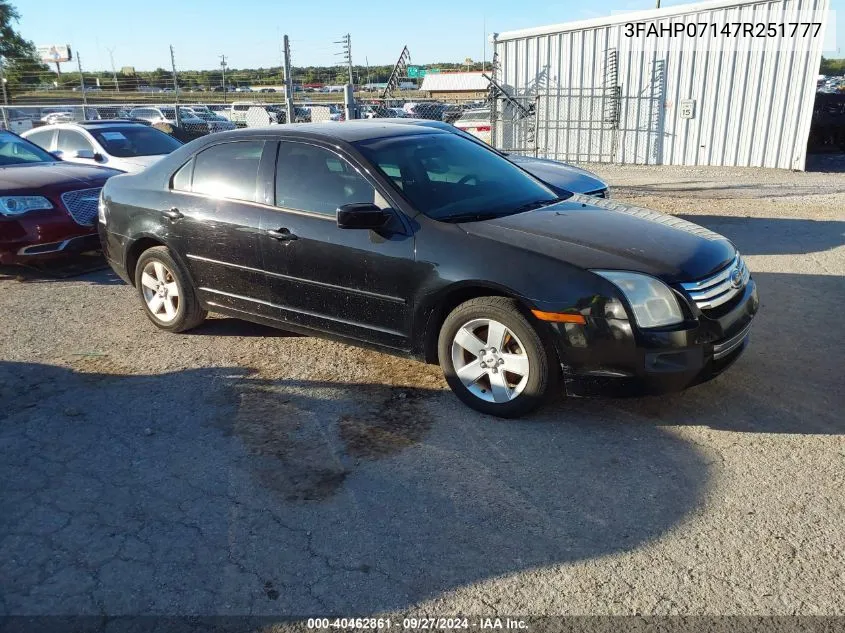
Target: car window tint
[134, 140]
[42, 138]
[312, 178]
[446, 175]
[70, 141]
[229, 170]
[181, 180]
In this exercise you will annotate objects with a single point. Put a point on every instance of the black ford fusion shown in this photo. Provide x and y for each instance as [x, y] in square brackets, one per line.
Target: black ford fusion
[422, 243]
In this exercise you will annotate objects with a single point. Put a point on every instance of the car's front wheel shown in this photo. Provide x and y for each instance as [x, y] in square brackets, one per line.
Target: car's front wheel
[166, 292]
[494, 359]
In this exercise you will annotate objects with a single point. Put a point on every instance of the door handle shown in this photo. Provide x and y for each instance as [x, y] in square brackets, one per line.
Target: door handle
[283, 235]
[173, 214]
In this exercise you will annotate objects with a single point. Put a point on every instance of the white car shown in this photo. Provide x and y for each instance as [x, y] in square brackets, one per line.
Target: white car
[167, 114]
[126, 146]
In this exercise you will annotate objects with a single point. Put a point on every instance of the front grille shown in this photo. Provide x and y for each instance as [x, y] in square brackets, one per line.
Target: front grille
[82, 205]
[720, 288]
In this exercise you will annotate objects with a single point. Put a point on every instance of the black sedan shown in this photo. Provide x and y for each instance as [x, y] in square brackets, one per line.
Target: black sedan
[422, 243]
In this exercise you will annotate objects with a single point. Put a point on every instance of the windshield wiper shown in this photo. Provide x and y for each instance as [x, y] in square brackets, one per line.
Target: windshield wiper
[477, 217]
[537, 204]
[470, 217]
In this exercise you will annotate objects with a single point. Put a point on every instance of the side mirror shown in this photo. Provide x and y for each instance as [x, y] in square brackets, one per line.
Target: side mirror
[84, 153]
[361, 215]
[58, 154]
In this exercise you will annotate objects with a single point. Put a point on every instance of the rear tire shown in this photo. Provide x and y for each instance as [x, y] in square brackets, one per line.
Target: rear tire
[166, 292]
[494, 359]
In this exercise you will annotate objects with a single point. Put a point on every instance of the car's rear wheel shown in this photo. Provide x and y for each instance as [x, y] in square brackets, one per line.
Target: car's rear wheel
[166, 292]
[494, 359]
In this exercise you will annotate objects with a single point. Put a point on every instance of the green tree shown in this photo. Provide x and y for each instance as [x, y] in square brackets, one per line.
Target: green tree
[832, 66]
[21, 65]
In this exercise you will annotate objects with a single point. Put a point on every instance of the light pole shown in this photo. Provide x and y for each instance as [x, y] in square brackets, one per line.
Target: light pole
[223, 66]
[113, 73]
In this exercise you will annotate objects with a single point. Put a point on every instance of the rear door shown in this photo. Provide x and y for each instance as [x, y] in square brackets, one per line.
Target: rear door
[354, 282]
[216, 218]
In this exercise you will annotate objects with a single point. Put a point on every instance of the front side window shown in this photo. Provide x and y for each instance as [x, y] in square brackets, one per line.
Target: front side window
[229, 170]
[311, 178]
[450, 178]
[70, 142]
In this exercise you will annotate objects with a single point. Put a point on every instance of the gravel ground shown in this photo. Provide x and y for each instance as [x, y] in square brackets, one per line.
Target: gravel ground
[242, 470]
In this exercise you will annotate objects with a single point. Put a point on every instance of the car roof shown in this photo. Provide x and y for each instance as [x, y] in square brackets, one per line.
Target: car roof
[348, 131]
[103, 123]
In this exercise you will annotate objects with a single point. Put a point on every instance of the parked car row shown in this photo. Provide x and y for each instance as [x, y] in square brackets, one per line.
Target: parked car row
[64, 149]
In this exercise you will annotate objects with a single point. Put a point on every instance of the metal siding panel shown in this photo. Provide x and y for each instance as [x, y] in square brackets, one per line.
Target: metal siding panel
[753, 107]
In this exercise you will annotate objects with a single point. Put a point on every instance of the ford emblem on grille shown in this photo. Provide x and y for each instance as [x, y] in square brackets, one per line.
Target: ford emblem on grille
[736, 277]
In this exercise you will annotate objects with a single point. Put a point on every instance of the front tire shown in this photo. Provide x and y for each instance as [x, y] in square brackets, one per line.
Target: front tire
[166, 292]
[494, 359]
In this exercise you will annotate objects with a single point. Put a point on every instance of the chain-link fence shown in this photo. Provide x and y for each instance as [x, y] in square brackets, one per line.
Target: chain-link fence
[185, 121]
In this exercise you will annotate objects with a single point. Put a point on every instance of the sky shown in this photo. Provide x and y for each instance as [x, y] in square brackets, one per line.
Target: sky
[249, 32]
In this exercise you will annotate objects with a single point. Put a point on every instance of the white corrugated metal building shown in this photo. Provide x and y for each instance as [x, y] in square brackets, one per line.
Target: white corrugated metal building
[600, 95]
[452, 85]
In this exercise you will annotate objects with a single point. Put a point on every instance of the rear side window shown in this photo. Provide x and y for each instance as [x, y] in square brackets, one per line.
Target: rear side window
[181, 180]
[42, 138]
[229, 170]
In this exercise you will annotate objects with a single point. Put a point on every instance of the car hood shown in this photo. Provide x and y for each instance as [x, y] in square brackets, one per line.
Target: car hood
[593, 233]
[46, 176]
[140, 162]
[560, 174]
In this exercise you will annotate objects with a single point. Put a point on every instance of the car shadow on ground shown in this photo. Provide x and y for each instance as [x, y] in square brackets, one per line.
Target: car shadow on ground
[90, 267]
[788, 380]
[218, 491]
[227, 326]
[775, 236]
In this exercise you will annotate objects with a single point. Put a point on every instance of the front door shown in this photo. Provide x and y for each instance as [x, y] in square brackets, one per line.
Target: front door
[354, 282]
[216, 221]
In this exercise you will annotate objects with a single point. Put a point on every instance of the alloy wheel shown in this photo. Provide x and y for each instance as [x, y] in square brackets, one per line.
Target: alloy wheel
[161, 291]
[490, 360]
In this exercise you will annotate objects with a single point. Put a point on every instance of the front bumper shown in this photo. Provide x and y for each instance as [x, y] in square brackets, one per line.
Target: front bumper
[43, 234]
[607, 355]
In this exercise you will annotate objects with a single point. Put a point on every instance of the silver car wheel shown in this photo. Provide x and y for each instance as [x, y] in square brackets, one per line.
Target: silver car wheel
[161, 291]
[490, 360]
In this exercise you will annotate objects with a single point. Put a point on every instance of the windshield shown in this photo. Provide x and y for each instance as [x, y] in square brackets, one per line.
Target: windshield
[134, 140]
[450, 178]
[17, 151]
[168, 113]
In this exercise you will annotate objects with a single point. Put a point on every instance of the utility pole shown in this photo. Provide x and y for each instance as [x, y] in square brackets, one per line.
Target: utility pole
[175, 86]
[82, 87]
[288, 82]
[113, 73]
[223, 66]
[346, 41]
[5, 95]
[367, 62]
[658, 4]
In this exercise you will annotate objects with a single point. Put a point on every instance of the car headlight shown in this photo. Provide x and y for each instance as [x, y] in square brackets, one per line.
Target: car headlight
[653, 302]
[18, 205]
